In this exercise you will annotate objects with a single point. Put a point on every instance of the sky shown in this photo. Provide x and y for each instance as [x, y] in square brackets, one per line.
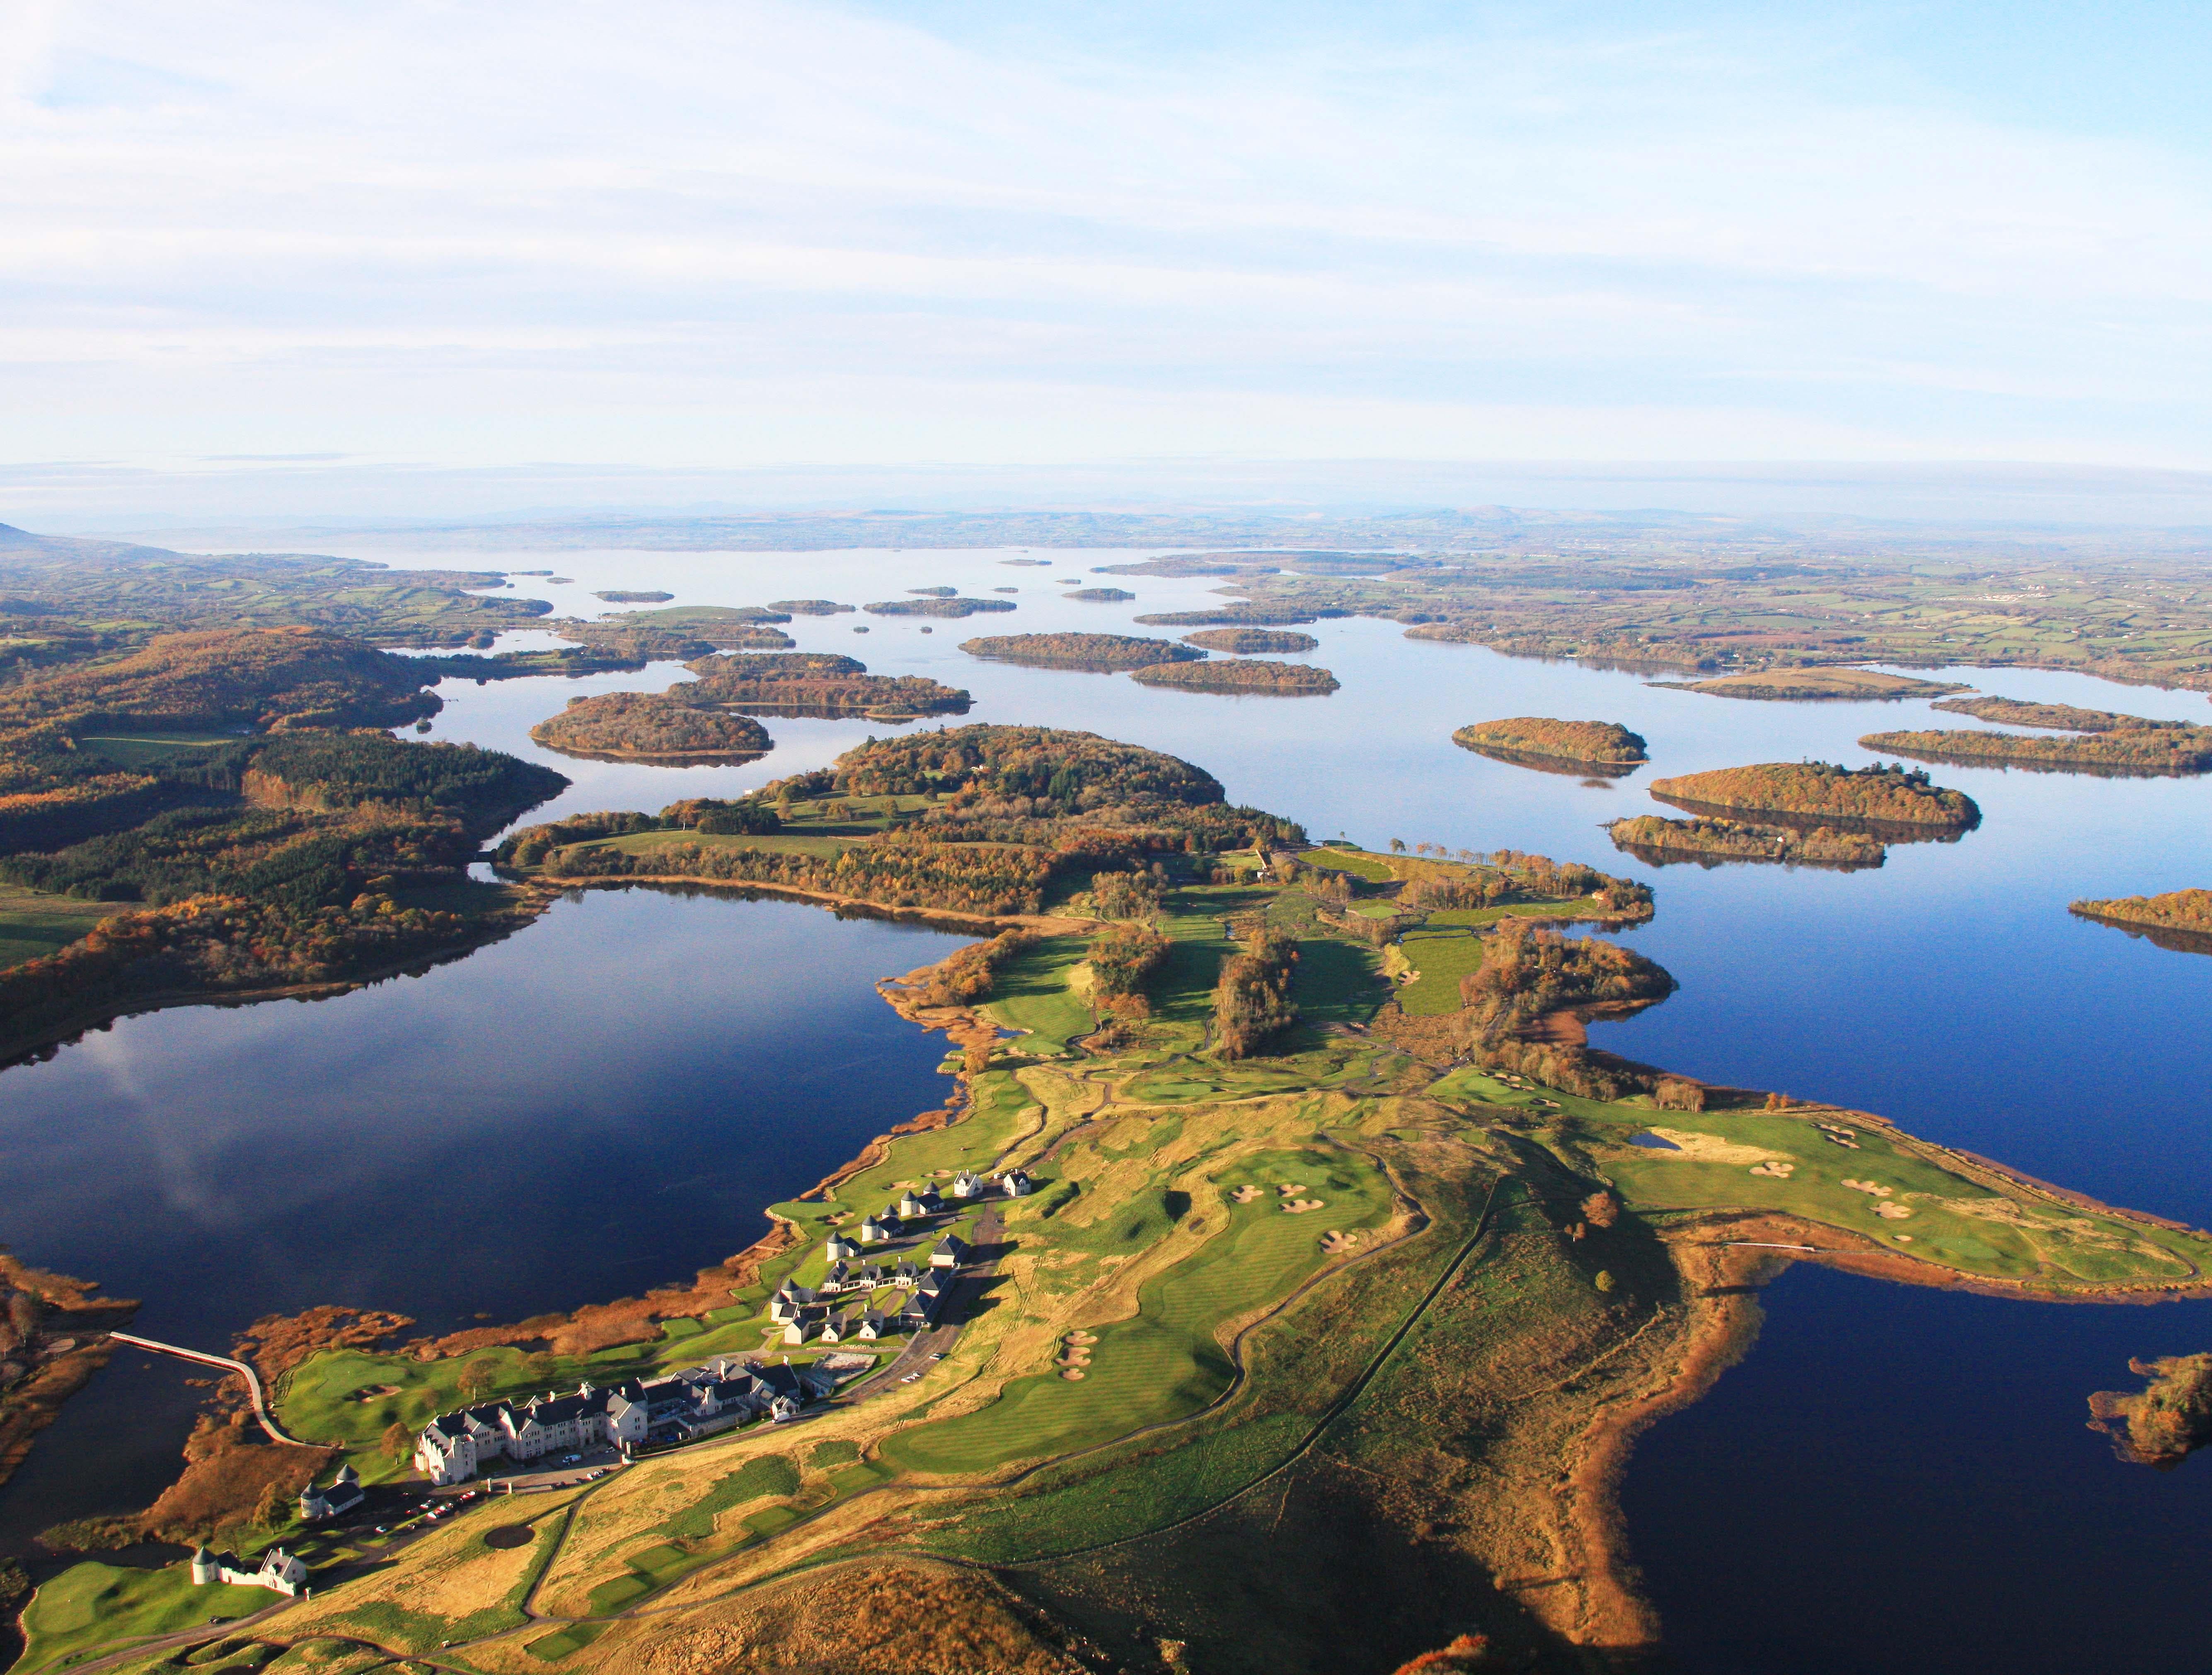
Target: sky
[246, 240]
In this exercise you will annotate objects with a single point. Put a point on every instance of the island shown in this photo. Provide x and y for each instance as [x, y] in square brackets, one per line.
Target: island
[1277, 1186]
[1814, 685]
[639, 726]
[937, 606]
[1713, 842]
[1538, 741]
[2180, 919]
[1879, 801]
[810, 607]
[681, 632]
[624, 596]
[2167, 1420]
[1239, 615]
[1246, 641]
[1096, 652]
[1099, 595]
[2102, 742]
[1243, 676]
[818, 684]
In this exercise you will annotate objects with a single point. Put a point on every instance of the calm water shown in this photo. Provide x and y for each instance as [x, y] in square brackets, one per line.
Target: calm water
[1949, 989]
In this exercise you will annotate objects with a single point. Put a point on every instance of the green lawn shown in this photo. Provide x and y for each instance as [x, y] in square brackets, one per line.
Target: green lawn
[96, 1605]
[34, 923]
[781, 842]
[133, 750]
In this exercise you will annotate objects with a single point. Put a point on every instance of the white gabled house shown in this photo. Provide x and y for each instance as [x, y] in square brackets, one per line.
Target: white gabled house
[278, 1570]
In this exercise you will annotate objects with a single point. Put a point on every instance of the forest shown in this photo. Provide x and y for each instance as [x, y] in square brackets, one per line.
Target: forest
[2059, 717]
[1080, 651]
[640, 724]
[1595, 744]
[1242, 676]
[1241, 615]
[1069, 772]
[1887, 796]
[1711, 842]
[1249, 642]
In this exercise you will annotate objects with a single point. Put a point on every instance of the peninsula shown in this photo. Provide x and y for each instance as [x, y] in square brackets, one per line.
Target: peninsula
[1249, 642]
[1268, 1244]
[2102, 742]
[1873, 800]
[1539, 741]
[1816, 686]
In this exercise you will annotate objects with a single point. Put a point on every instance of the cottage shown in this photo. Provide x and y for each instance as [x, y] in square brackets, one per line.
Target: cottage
[931, 1203]
[873, 1232]
[1015, 1184]
[967, 1184]
[909, 1206]
[279, 1571]
[871, 1326]
[343, 1495]
[948, 1252]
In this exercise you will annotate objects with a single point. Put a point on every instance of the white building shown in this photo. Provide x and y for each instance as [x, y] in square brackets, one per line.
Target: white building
[278, 1570]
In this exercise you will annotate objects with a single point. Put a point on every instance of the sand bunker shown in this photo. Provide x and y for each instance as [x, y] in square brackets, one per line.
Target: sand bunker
[1712, 1149]
[1072, 1372]
[1287, 1190]
[1867, 1186]
[1080, 1338]
[1300, 1206]
[1336, 1244]
[1892, 1212]
[1778, 1170]
[1245, 1195]
[1838, 1135]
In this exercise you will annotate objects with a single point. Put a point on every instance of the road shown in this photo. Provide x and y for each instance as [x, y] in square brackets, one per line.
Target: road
[252, 1380]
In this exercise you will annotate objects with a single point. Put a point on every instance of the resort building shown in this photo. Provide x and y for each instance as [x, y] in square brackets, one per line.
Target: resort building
[950, 1251]
[695, 1402]
[278, 1571]
[967, 1184]
[1015, 1184]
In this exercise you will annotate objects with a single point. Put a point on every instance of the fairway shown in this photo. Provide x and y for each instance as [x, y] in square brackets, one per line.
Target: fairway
[1166, 1363]
[1030, 994]
[1442, 961]
[95, 1605]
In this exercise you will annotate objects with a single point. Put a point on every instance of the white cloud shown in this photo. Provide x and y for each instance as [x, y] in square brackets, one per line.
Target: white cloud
[486, 233]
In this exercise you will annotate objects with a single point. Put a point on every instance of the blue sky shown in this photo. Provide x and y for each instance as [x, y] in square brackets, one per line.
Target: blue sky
[733, 235]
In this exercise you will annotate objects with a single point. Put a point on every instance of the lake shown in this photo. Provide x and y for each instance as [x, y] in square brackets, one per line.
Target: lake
[607, 1098]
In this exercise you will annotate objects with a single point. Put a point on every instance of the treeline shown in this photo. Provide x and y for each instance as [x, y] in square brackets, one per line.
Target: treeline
[1081, 651]
[1529, 971]
[2173, 749]
[1715, 840]
[1890, 796]
[1127, 895]
[1123, 957]
[743, 816]
[967, 975]
[2059, 717]
[1240, 616]
[1605, 744]
[1508, 877]
[639, 724]
[892, 870]
[213, 945]
[1252, 1002]
[1240, 674]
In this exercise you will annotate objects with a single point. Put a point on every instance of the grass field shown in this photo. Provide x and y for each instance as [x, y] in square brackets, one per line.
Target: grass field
[131, 750]
[97, 1604]
[781, 842]
[34, 923]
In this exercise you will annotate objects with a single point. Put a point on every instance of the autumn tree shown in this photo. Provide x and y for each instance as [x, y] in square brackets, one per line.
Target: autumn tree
[1601, 1209]
[398, 1441]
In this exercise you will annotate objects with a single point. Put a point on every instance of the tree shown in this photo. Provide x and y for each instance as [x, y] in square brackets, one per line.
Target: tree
[1397, 846]
[1604, 1281]
[1601, 1209]
[398, 1441]
[272, 1510]
[478, 1378]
